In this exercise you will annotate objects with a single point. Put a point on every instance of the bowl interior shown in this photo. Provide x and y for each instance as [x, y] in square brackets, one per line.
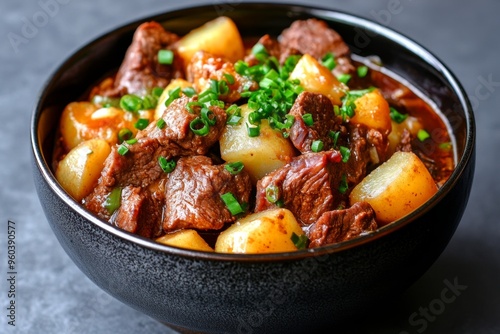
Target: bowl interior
[398, 53]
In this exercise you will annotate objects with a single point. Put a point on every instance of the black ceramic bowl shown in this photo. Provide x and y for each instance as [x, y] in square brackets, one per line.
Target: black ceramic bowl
[281, 293]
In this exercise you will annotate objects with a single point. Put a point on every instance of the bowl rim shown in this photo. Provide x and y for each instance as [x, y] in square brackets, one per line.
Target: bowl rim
[313, 11]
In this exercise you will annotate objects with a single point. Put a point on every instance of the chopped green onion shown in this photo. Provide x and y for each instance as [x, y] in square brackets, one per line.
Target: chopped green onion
[160, 123]
[105, 101]
[280, 203]
[240, 67]
[113, 201]
[122, 149]
[253, 131]
[300, 242]
[131, 103]
[229, 78]
[149, 102]
[234, 167]
[317, 146]
[345, 153]
[172, 95]
[343, 186]
[335, 137]
[445, 146]
[254, 118]
[260, 52]
[290, 119]
[308, 119]
[207, 96]
[268, 83]
[344, 78]
[214, 86]
[208, 117]
[231, 203]
[166, 57]
[396, 116]
[124, 134]
[329, 61]
[422, 135]
[131, 141]
[189, 91]
[166, 165]
[272, 75]
[355, 94]
[234, 114]
[191, 104]
[234, 120]
[141, 123]
[157, 91]
[346, 110]
[272, 193]
[362, 71]
[214, 103]
[233, 110]
[222, 87]
[259, 48]
[336, 110]
[199, 127]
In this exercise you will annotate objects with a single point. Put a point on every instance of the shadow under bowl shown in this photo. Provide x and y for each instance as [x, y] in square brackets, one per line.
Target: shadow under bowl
[282, 293]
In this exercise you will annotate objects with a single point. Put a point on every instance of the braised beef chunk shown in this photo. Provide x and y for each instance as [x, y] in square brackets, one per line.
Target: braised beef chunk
[139, 212]
[139, 167]
[367, 149]
[274, 49]
[341, 225]
[306, 186]
[323, 119]
[315, 38]
[176, 137]
[140, 69]
[205, 66]
[193, 194]
[359, 158]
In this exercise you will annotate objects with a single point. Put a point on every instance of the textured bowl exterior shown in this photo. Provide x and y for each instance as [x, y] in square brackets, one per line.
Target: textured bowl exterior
[286, 293]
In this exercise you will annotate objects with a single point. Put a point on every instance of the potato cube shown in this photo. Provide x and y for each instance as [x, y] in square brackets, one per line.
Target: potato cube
[395, 188]
[219, 37]
[260, 155]
[316, 78]
[267, 231]
[79, 171]
[373, 111]
[185, 239]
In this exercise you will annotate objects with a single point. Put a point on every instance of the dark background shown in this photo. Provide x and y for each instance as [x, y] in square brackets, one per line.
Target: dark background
[53, 296]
